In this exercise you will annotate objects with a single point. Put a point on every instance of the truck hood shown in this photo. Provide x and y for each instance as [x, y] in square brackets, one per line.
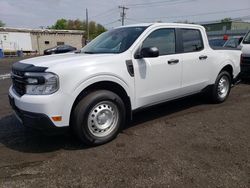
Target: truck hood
[63, 59]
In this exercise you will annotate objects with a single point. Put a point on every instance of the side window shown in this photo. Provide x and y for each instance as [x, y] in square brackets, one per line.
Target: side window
[192, 40]
[163, 39]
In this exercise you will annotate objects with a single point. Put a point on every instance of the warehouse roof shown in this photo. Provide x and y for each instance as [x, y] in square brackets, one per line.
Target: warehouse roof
[49, 31]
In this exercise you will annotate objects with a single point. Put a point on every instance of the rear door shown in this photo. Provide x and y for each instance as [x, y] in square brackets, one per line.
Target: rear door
[196, 68]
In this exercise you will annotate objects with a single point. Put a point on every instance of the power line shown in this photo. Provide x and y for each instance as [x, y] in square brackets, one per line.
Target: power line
[108, 14]
[158, 3]
[247, 17]
[109, 23]
[191, 15]
[169, 4]
[134, 20]
[104, 13]
[123, 14]
[151, 3]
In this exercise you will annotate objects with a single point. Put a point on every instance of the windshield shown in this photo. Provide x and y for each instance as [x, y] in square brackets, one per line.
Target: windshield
[232, 43]
[114, 41]
[247, 39]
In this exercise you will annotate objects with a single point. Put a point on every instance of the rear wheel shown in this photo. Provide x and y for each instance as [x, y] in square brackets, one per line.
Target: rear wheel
[98, 117]
[222, 87]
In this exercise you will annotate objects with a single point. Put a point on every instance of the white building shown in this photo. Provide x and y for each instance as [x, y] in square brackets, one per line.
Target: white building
[37, 40]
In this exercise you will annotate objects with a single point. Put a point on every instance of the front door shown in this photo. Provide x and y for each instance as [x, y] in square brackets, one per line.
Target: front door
[158, 79]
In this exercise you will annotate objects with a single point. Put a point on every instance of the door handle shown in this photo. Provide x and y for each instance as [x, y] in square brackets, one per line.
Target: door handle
[173, 61]
[203, 57]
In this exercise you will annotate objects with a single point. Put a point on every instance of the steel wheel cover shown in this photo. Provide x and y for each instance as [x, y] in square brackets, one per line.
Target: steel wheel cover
[103, 119]
[223, 87]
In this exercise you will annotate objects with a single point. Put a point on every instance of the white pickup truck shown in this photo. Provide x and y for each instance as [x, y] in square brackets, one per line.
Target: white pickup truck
[125, 69]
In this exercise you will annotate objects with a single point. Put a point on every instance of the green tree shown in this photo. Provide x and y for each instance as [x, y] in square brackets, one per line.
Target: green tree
[75, 25]
[226, 20]
[100, 29]
[2, 24]
[94, 28]
[60, 24]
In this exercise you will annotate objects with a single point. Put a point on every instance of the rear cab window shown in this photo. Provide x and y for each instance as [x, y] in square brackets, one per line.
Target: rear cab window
[192, 40]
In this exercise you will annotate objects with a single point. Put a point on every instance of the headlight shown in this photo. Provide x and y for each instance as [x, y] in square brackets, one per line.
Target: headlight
[41, 83]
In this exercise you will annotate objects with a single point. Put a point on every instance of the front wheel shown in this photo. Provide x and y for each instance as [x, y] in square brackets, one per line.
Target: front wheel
[222, 87]
[98, 117]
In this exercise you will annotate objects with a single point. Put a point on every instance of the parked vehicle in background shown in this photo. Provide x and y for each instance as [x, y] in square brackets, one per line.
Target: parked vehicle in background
[125, 69]
[245, 44]
[245, 58]
[217, 42]
[59, 49]
[233, 42]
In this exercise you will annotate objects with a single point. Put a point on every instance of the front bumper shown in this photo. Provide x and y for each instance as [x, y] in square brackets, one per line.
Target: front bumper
[34, 120]
[40, 109]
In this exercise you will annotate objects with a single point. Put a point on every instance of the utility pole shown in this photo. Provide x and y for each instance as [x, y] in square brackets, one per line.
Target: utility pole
[87, 24]
[123, 14]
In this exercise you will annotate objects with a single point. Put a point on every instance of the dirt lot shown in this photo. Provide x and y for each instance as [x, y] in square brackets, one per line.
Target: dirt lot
[186, 143]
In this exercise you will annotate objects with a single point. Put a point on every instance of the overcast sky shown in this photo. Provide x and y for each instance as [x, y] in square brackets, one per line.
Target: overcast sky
[35, 13]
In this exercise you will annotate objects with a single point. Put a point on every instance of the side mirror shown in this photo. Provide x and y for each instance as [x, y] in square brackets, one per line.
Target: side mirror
[149, 52]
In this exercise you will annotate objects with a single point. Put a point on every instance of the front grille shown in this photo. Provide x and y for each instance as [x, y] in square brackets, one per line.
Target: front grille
[246, 60]
[19, 82]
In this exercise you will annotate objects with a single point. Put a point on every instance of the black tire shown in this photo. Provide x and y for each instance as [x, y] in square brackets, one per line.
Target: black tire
[215, 94]
[113, 113]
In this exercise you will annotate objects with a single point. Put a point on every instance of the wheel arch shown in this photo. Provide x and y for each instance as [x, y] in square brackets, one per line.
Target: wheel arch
[105, 85]
[229, 69]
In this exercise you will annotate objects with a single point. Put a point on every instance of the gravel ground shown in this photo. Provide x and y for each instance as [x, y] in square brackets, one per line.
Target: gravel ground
[185, 143]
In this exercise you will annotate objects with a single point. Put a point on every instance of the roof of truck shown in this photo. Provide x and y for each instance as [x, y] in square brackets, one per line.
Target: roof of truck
[163, 24]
